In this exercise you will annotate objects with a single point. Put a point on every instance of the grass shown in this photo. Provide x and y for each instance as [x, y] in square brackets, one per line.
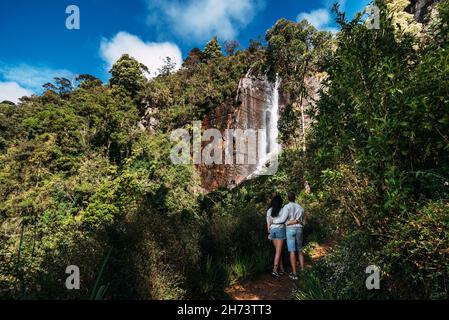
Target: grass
[311, 288]
[244, 268]
[215, 276]
[99, 292]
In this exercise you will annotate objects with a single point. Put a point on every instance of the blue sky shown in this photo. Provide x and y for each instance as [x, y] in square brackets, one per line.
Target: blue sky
[36, 45]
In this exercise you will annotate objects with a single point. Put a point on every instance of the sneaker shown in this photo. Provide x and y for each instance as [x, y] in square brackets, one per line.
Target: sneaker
[281, 273]
[275, 274]
[293, 276]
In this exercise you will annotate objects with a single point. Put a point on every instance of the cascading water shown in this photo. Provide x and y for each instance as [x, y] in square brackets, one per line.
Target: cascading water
[273, 131]
[269, 147]
[255, 112]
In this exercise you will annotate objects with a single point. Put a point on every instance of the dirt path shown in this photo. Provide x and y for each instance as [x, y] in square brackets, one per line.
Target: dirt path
[266, 287]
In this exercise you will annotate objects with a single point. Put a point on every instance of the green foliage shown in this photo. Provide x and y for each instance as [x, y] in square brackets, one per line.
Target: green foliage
[240, 270]
[295, 51]
[9, 124]
[312, 288]
[378, 164]
[128, 75]
[212, 50]
[78, 178]
[231, 46]
[423, 238]
[190, 93]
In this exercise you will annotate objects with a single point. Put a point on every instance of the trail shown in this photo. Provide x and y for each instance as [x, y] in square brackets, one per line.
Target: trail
[266, 287]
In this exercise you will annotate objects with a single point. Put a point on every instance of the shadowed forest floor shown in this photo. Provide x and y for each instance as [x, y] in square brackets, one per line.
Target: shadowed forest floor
[266, 287]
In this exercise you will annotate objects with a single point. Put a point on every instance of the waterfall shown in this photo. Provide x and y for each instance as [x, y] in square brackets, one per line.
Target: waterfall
[269, 147]
[255, 113]
[272, 125]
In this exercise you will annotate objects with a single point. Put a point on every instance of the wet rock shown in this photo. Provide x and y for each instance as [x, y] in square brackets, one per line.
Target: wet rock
[247, 111]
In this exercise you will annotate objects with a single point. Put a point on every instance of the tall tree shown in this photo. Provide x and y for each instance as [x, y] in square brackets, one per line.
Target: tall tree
[168, 67]
[231, 46]
[213, 49]
[87, 81]
[64, 86]
[295, 52]
[129, 75]
[194, 58]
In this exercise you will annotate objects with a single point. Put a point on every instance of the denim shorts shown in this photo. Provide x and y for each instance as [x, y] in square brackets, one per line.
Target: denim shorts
[277, 233]
[294, 239]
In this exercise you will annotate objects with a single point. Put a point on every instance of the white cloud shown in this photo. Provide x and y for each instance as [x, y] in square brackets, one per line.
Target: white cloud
[200, 20]
[12, 91]
[32, 77]
[24, 80]
[319, 18]
[151, 54]
[322, 18]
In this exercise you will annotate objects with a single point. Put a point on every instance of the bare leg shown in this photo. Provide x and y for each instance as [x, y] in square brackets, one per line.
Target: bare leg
[275, 265]
[293, 262]
[277, 258]
[301, 260]
[281, 263]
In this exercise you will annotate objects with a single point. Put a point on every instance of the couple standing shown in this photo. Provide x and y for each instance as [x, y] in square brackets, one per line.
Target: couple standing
[286, 223]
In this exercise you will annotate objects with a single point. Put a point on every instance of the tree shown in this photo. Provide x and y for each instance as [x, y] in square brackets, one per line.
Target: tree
[254, 46]
[194, 59]
[213, 50]
[381, 150]
[168, 67]
[295, 52]
[231, 46]
[50, 87]
[64, 86]
[10, 126]
[87, 81]
[129, 75]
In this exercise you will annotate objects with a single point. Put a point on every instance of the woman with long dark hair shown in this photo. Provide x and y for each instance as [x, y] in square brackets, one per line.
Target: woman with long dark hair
[276, 233]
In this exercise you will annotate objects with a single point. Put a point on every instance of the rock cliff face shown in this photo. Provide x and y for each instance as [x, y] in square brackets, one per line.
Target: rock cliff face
[251, 110]
[313, 85]
[412, 16]
[421, 9]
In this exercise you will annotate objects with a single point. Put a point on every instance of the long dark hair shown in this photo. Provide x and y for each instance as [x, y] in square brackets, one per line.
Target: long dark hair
[276, 206]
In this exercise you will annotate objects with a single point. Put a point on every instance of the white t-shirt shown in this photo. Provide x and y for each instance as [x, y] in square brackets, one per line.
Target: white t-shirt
[290, 212]
[270, 220]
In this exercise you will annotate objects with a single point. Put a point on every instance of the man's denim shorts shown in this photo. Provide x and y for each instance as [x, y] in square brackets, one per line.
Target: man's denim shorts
[277, 233]
[294, 239]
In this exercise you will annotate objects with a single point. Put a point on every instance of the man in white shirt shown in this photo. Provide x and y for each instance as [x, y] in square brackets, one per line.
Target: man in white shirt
[294, 217]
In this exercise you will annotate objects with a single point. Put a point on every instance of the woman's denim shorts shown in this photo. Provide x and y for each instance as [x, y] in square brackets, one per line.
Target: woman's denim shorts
[278, 233]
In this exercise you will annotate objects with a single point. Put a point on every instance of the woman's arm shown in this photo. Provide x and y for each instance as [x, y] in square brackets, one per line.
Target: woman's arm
[282, 217]
[269, 220]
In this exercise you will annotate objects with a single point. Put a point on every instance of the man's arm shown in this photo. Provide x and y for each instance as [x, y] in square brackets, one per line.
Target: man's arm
[297, 221]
